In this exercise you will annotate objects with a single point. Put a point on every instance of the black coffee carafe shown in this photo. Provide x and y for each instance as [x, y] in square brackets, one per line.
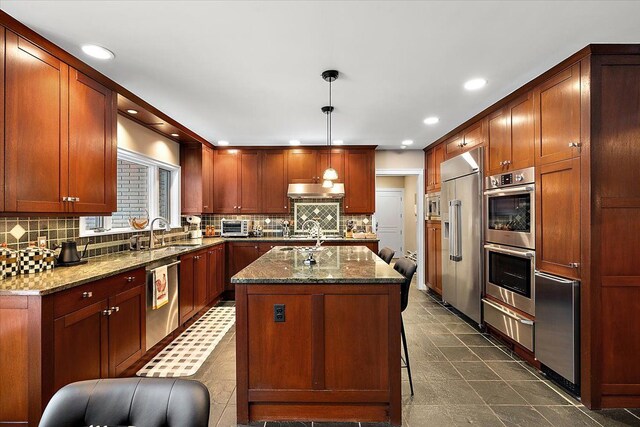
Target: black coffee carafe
[69, 254]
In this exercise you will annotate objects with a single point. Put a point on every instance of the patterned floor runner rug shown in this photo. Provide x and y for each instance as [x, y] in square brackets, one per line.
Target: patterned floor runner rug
[184, 356]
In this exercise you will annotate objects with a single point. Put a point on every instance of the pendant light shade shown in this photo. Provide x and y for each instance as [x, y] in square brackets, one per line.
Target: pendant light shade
[327, 183]
[330, 174]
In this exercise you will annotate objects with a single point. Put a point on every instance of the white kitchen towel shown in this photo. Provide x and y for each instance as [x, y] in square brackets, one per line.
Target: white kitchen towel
[160, 287]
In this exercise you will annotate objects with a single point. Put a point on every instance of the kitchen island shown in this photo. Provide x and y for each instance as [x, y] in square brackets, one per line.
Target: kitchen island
[318, 342]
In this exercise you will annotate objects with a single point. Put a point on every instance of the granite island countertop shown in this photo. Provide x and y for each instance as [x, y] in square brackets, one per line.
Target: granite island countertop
[335, 264]
[62, 278]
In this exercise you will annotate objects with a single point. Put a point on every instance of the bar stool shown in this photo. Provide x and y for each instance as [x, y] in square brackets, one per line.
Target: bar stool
[407, 268]
[386, 254]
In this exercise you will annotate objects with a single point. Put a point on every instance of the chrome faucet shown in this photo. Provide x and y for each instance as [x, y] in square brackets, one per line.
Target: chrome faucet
[152, 242]
[315, 228]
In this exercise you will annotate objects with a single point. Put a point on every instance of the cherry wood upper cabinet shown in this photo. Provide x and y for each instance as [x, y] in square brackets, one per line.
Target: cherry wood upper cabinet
[226, 175]
[274, 182]
[473, 136]
[433, 158]
[558, 218]
[92, 145]
[36, 129]
[302, 166]
[359, 181]
[557, 110]
[2, 61]
[337, 162]
[196, 161]
[249, 191]
[511, 137]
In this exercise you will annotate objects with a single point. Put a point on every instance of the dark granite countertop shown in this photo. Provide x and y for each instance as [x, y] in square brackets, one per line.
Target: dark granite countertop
[335, 264]
[63, 278]
[296, 239]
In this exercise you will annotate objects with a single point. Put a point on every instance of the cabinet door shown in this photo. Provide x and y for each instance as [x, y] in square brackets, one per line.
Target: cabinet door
[431, 169]
[558, 218]
[522, 132]
[453, 146]
[192, 179]
[438, 158]
[127, 329]
[81, 345]
[187, 292]
[240, 256]
[220, 263]
[36, 129]
[2, 117]
[431, 257]
[207, 180]
[249, 182]
[557, 109]
[273, 179]
[302, 166]
[473, 136]
[337, 162]
[92, 145]
[359, 182]
[437, 238]
[214, 267]
[226, 176]
[499, 146]
[200, 280]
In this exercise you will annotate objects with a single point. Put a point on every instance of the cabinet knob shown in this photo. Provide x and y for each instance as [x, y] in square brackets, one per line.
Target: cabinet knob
[574, 144]
[574, 265]
[65, 199]
[87, 294]
[130, 279]
[114, 309]
[106, 312]
[76, 199]
[347, 206]
[235, 207]
[239, 207]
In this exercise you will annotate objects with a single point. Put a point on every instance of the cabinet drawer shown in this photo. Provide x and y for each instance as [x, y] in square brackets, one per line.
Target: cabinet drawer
[82, 296]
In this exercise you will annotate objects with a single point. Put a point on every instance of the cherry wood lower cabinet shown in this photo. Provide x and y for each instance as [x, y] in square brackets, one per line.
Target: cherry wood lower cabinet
[433, 232]
[96, 330]
[335, 357]
[193, 289]
[215, 272]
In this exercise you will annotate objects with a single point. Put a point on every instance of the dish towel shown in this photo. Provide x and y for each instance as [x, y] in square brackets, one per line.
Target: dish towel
[160, 287]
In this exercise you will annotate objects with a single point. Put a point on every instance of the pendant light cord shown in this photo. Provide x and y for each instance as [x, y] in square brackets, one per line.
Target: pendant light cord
[329, 125]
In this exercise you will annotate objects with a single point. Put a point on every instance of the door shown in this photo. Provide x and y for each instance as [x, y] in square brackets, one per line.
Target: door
[359, 182]
[36, 129]
[337, 162]
[81, 345]
[200, 280]
[274, 182]
[92, 146]
[226, 176]
[558, 218]
[389, 221]
[302, 166]
[187, 292]
[557, 109]
[250, 196]
[127, 331]
[207, 180]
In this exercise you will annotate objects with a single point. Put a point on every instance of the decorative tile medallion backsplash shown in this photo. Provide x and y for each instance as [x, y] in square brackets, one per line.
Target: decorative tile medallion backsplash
[327, 215]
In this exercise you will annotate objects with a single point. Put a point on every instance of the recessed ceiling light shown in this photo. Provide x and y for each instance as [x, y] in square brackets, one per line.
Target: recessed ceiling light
[431, 120]
[407, 142]
[294, 142]
[132, 111]
[338, 142]
[97, 52]
[175, 134]
[223, 142]
[475, 84]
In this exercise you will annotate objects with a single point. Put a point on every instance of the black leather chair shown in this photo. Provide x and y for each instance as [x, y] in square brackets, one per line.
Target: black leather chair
[386, 254]
[407, 268]
[141, 402]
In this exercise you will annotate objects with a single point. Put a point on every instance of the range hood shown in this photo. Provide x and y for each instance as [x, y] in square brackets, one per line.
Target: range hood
[315, 191]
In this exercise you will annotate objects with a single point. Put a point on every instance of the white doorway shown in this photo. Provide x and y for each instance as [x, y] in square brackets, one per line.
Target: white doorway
[389, 219]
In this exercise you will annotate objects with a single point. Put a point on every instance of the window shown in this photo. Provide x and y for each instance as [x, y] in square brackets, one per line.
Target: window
[146, 188]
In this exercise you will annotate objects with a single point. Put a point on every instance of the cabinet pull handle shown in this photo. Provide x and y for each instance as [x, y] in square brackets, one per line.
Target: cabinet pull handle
[574, 144]
[115, 309]
[573, 265]
[239, 207]
[65, 199]
[76, 199]
[130, 279]
[87, 294]
[507, 162]
[106, 312]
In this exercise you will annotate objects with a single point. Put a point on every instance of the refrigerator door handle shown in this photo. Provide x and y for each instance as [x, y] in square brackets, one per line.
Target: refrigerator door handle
[455, 241]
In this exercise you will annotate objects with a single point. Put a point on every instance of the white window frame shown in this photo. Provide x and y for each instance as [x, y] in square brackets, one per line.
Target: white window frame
[154, 165]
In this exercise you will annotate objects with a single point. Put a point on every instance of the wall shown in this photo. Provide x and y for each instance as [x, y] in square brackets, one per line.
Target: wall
[389, 182]
[410, 217]
[134, 137]
[399, 159]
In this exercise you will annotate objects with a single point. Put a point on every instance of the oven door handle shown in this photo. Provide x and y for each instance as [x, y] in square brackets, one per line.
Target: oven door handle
[508, 313]
[500, 191]
[521, 254]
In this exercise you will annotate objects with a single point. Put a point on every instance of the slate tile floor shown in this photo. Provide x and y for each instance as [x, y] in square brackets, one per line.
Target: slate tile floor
[461, 377]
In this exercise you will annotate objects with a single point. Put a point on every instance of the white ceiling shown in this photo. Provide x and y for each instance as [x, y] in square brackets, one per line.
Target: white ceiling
[249, 72]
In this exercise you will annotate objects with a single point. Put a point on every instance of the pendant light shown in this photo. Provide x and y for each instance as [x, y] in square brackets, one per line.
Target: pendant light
[330, 174]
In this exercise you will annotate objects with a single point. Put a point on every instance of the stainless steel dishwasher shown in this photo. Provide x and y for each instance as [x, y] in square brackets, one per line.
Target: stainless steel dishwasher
[557, 336]
[164, 320]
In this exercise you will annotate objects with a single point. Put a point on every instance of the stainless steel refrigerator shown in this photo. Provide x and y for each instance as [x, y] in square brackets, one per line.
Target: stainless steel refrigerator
[461, 212]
